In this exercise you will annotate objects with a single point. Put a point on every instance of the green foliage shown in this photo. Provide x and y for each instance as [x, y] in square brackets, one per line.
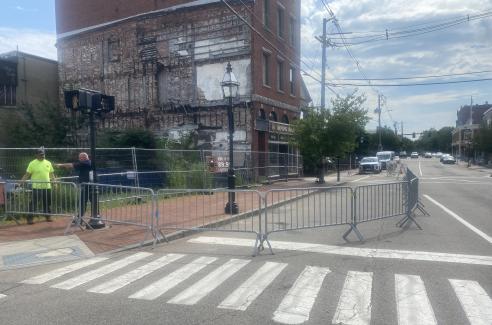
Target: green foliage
[483, 138]
[138, 138]
[44, 124]
[332, 132]
[435, 140]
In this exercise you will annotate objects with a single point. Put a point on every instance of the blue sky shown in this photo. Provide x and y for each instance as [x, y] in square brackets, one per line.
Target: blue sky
[467, 47]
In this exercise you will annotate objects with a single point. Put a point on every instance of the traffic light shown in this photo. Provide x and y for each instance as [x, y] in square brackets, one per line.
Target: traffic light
[88, 100]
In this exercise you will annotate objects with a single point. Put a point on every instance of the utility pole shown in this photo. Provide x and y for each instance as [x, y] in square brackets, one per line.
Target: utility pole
[380, 146]
[323, 64]
[401, 125]
[395, 124]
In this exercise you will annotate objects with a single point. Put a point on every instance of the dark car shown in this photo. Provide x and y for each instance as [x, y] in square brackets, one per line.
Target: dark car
[448, 160]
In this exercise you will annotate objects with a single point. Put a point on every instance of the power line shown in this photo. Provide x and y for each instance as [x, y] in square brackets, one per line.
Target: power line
[411, 84]
[420, 77]
[408, 33]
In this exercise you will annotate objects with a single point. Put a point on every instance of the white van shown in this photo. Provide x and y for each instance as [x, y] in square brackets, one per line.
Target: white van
[384, 157]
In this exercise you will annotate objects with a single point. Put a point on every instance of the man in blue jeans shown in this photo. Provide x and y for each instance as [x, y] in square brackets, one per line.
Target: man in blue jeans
[83, 167]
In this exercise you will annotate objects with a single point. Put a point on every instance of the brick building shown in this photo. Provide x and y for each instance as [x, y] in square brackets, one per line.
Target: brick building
[163, 60]
[468, 122]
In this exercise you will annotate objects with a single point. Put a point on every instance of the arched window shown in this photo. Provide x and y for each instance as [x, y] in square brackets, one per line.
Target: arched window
[261, 114]
[273, 116]
[285, 119]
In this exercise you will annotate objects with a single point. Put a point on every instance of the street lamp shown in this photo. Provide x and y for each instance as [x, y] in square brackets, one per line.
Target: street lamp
[230, 87]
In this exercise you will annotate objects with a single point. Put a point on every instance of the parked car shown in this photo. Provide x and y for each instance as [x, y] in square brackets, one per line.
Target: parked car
[385, 157]
[428, 155]
[443, 156]
[414, 155]
[439, 154]
[403, 154]
[448, 159]
[369, 164]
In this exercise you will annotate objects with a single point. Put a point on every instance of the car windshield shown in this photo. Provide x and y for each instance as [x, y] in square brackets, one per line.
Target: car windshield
[369, 159]
[384, 156]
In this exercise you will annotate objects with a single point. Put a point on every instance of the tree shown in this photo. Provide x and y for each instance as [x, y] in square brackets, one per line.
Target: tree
[435, 140]
[44, 124]
[330, 133]
[483, 139]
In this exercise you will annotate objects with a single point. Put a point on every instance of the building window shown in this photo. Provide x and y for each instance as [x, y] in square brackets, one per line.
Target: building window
[7, 95]
[292, 32]
[266, 69]
[280, 22]
[292, 81]
[261, 114]
[273, 116]
[280, 75]
[266, 13]
[113, 50]
[285, 119]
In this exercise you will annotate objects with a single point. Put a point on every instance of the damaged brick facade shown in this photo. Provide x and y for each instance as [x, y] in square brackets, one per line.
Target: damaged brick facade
[164, 60]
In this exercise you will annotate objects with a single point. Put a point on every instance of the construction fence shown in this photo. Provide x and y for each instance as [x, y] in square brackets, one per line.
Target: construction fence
[162, 168]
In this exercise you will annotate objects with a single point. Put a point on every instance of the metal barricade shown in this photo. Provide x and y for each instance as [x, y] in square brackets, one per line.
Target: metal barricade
[302, 208]
[32, 198]
[204, 210]
[378, 201]
[116, 204]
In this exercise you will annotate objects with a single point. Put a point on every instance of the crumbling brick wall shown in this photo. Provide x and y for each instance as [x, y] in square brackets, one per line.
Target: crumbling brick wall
[152, 65]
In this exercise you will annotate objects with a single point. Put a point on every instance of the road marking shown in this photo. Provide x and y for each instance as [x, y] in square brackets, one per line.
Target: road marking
[354, 306]
[353, 251]
[297, 304]
[359, 179]
[158, 288]
[243, 296]
[420, 169]
[412, 304]
[196, 292]
[64, 270]
[2, 296]
[463, 221]
[474, 300]
[138, 273]
[97, 273]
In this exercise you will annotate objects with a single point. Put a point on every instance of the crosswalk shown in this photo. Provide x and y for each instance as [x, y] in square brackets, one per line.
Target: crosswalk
[201, 276]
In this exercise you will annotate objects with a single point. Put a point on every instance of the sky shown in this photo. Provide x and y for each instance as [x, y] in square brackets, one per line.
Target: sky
[408, 52]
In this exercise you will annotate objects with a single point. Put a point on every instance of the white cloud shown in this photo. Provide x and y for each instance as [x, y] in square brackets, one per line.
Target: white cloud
[29, 41]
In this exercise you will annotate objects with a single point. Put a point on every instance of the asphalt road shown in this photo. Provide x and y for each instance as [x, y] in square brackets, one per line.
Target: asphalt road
[441, 274]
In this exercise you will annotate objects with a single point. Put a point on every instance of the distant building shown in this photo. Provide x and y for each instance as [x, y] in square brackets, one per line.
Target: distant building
[25, 79]
[468, 121]
[487, 117]
[164, 61]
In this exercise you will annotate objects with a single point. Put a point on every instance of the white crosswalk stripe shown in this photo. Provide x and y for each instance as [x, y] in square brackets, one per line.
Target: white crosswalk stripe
[474, 300]
[43, 278]
[243, 296]
[2, 296]
[354, 303]
[296, 305]
[203, 287]
[168, 282]
[354, 306]
[413, 305]
[138, 273]
[89, 276]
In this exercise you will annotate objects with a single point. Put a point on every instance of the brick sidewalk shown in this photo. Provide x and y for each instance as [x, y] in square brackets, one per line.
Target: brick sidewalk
[185, 212]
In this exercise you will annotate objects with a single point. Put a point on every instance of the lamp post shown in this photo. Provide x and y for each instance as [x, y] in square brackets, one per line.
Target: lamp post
[230, 87]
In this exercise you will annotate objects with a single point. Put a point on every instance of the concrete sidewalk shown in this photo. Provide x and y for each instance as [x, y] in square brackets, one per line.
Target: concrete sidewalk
[44, 242]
